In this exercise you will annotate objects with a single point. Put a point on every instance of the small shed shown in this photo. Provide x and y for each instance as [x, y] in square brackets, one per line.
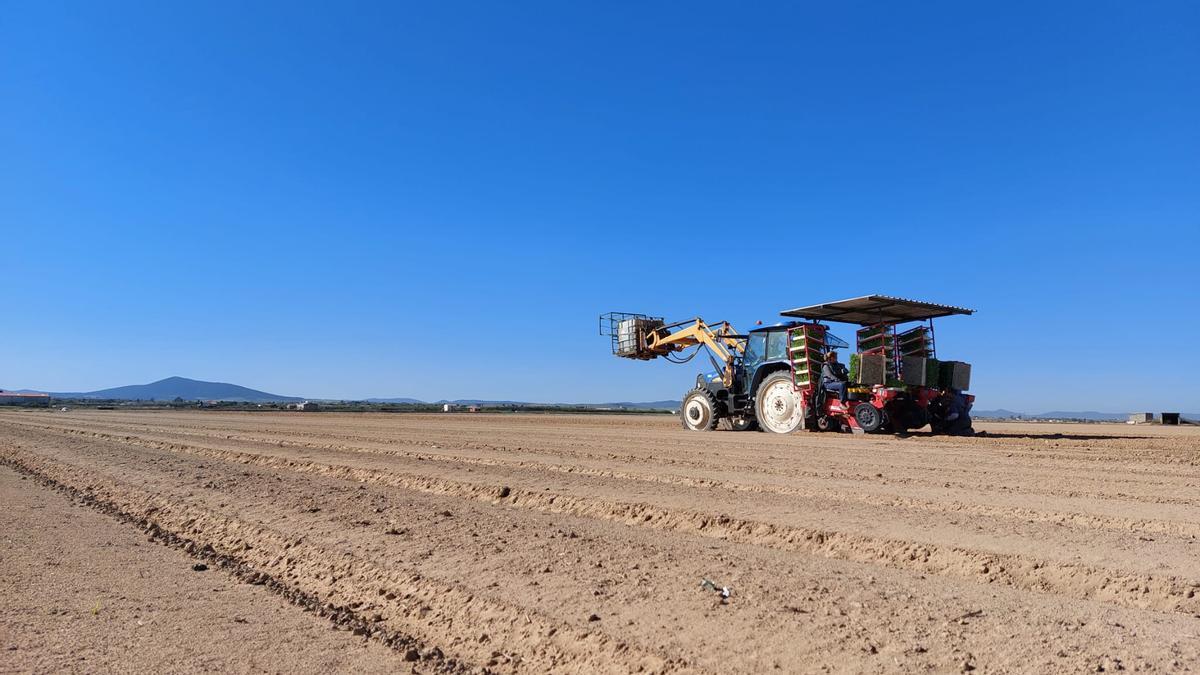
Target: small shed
[447, 407]
[306, 406]
[1170, 418]
[1141, 418]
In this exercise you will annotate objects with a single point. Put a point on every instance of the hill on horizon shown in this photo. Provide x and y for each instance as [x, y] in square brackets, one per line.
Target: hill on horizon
[187, 389]
[1090, 415]
[174, 387]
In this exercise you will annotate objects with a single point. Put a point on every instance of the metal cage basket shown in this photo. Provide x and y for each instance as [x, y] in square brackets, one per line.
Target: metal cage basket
[628, 332]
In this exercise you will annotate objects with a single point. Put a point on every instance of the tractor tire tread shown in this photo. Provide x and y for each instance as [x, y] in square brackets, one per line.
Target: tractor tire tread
[714, 419]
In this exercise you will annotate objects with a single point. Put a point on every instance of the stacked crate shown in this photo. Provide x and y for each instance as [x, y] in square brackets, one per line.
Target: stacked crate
[876, 340]
[806, 349]
[869, 369]
[915, 342]
[920, 371]
[956, 374]
[877, 353]
[917, 365]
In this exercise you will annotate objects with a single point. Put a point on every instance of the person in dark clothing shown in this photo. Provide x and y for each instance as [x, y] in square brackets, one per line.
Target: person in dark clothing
[834, 376]
[957, 420]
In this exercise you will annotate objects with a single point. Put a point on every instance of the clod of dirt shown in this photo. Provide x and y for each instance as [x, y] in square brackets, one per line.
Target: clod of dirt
[412, 655]
[505, 491]
[199, 567]
[594, 617]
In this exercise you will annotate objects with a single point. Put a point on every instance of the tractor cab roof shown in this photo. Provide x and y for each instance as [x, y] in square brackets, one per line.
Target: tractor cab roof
[779, 326]
[870, 310]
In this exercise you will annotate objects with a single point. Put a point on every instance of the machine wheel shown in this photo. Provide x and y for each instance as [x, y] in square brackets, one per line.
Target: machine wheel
[870, 418]
[743, 423]
[699, 411]
[778, 406]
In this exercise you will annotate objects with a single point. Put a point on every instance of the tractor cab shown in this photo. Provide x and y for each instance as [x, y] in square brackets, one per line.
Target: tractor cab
[765, 347]
[766, 355]
[768, 350]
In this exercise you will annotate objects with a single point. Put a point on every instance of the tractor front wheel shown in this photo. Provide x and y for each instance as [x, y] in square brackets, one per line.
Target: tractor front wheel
[778, 406]
[699, 411]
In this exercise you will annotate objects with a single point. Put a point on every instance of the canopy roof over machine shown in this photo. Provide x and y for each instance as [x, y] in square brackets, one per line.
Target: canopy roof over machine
[870, 310]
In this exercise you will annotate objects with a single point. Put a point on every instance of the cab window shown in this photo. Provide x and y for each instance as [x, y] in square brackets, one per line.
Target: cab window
[756, 347]
[776, 345]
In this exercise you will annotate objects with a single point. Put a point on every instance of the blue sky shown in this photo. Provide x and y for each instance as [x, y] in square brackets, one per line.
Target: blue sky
[437, 199]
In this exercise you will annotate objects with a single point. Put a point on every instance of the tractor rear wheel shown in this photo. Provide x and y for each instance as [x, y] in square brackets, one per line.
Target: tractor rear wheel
[778, 406]
[699, 411]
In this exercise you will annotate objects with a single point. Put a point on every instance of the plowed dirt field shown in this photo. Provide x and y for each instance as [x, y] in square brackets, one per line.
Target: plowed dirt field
[528, 543]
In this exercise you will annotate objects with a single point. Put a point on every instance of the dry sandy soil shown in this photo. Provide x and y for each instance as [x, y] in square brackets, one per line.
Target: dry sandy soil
[578, 543]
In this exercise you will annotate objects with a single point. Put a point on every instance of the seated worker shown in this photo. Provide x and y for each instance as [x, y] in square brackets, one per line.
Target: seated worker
[834, 377]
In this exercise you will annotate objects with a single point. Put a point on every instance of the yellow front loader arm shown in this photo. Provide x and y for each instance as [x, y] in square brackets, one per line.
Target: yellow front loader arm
[720, 340]
[650, 339]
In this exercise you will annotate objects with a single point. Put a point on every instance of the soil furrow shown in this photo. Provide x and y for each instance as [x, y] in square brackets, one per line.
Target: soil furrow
[1158, 592]
[1186, 523]
[578, 543]
[386, 605]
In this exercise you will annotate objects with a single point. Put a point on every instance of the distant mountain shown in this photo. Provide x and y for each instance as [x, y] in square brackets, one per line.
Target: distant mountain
[1085, 415]
[393, 400]
[184, 388]
[644, 405]
[1054, 415]
[999, 414]
[1063, 415]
